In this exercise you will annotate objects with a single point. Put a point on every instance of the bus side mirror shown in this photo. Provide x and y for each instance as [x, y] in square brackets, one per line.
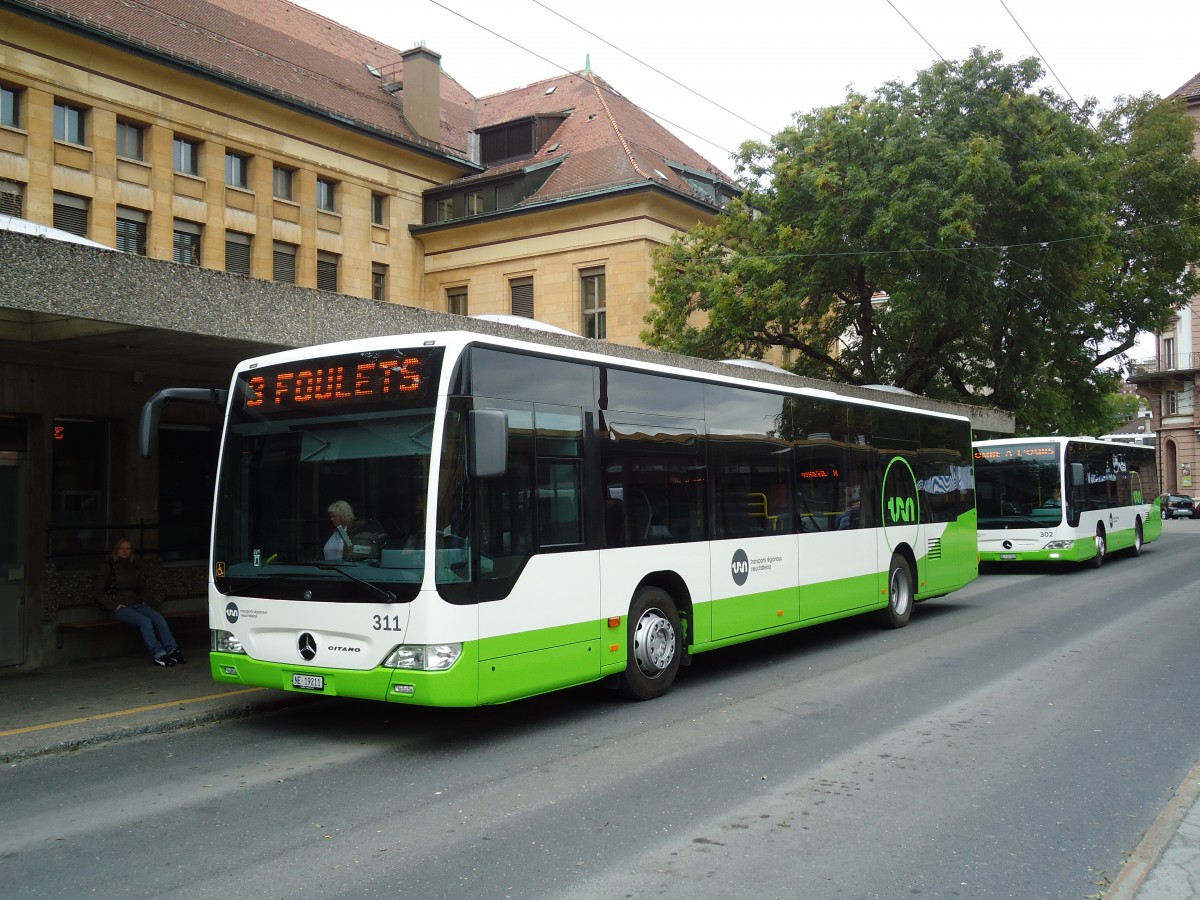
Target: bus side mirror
[1075, 476]
[488, 438]
[152, 410]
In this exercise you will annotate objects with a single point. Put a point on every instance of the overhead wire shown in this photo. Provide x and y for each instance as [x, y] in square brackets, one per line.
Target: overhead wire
[895, 8]
[656, 71]
[569, 71]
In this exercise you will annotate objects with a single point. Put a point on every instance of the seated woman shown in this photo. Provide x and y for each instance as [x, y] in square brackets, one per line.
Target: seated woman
[117, 588]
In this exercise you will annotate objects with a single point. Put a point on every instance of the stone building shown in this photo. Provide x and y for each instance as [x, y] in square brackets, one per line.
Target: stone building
[272, 179]
[1168, 382]
[267, 173]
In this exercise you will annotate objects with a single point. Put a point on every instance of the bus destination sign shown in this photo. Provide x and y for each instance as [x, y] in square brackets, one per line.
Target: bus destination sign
[1017, 451]
[384, 379]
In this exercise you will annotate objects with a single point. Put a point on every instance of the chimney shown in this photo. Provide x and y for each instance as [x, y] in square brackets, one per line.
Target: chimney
[423, 92]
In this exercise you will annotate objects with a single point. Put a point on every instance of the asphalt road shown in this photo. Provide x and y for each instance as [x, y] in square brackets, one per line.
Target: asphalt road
[1015, 740]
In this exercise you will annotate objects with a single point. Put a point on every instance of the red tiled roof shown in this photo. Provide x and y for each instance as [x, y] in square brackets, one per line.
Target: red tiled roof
[606, 141]
[1190, 89]
[277, 46]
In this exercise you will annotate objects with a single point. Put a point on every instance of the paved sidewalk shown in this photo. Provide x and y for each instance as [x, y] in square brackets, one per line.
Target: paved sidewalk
[1166, 864]
[68, 707]
[62, 709]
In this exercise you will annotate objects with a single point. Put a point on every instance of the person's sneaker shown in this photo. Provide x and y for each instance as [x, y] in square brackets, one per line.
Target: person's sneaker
[177, 656]
[164, 660]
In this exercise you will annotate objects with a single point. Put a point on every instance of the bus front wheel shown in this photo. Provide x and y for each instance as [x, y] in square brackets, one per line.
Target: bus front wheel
[900, 593]
[1139, 538]
[1101, 549]
[655, 645]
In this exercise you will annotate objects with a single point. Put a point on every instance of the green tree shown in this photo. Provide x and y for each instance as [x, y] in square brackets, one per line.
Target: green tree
[969, 237]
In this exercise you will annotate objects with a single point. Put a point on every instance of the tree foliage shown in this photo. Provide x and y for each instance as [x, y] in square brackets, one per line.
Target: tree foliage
[969, 236]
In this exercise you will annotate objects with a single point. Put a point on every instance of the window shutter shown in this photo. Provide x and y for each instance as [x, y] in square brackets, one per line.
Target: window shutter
[11, 198]
[327, 271]
[522, 297]
[284, 268]
[71, 213]
[131, 231]
[237, 253]
[187, 243]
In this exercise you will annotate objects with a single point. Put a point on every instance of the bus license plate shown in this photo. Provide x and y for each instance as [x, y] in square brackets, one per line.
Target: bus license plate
[1002, 556]
[309, 682]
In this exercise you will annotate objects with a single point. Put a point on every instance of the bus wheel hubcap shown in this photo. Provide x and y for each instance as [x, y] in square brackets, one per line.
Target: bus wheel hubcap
[653, 643]
[899, 592]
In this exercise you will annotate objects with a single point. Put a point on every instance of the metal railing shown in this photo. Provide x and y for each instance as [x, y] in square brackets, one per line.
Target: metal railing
[1177, 362]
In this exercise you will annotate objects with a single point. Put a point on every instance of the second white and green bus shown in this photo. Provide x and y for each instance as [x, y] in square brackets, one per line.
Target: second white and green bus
[528, 516]
[1069, 500]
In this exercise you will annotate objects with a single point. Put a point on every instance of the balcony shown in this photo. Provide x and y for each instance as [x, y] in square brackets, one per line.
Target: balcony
[1176, 364]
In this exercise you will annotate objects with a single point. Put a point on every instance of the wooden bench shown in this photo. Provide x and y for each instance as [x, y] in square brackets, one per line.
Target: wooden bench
[88, 625]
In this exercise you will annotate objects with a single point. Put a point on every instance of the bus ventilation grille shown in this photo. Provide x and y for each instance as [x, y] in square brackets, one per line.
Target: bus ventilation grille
[935, 548]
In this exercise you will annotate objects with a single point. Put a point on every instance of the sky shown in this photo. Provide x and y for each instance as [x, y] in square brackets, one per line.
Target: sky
[718, 74]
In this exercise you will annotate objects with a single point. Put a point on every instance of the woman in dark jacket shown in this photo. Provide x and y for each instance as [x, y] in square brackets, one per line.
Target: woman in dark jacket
[117, 586]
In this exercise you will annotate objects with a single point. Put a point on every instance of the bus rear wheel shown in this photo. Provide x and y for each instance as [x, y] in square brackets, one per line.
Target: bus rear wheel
[655, 645]
[900, 593]
[1101, 548]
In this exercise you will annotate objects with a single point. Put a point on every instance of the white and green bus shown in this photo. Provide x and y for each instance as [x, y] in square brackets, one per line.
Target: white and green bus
[527, 517]
[1057, 499]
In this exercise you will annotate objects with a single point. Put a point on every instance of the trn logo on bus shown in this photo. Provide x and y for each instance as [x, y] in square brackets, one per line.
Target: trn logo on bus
[740, 567]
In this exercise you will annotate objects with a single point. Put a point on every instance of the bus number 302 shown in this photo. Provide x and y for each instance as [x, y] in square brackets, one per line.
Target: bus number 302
[386, 623]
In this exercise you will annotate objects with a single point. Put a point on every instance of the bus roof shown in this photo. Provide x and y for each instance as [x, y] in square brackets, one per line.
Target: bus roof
[568, 346]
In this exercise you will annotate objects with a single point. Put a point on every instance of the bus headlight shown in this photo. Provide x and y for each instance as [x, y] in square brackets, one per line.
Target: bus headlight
[1058, 545]
[225, 642]
[426, 657]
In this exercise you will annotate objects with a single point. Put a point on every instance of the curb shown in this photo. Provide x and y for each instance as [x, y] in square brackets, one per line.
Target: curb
[264, 705]
[1141, 862]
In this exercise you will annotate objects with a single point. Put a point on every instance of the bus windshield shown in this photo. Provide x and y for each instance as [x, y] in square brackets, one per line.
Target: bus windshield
[1018, 485]
[325, 471]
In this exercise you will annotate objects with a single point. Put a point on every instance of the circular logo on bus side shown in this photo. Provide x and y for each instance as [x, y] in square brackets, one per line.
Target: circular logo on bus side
[232, 613]
[740, 567]
[901, 501]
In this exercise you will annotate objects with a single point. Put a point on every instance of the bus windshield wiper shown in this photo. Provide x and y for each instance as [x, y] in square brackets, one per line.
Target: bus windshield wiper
[385, 596]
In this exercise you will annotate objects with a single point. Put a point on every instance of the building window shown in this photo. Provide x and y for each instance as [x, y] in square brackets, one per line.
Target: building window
[378, 281]
[237, 170]
[456, 301]
[69, 123]
[281, 183]
[283, 267]
[12, 197]
[1171, 403]
[379, 209]
[10, 107]
[326, 195]
[131, 230]
[591, 292]
[327, 271]
[1168, 360]
[187, 242]
[474, 203]
[71, 213]
[521, 291]
[131, 140]
[237, 253]
[445, 209]
[187, 156]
